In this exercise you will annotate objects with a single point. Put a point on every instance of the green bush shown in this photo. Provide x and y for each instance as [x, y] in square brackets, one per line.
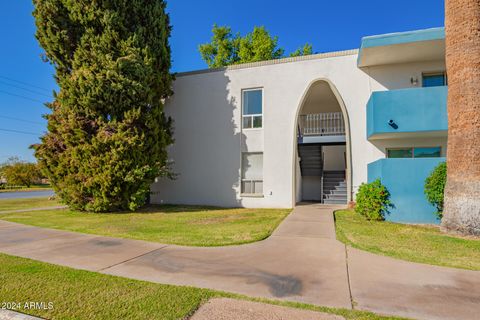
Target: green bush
[373, 200]
[435, 186]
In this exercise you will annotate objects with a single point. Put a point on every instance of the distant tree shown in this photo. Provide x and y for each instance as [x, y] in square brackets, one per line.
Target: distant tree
[306, 50]
[107, 133]
[226, 48]
[20, 173]
[223, 48]
[259, 45]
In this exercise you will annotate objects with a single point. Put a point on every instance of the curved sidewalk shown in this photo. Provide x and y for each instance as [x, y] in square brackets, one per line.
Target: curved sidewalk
[301, 262]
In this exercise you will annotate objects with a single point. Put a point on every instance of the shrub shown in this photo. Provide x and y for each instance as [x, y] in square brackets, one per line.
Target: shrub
[435, 186]
[373, 200]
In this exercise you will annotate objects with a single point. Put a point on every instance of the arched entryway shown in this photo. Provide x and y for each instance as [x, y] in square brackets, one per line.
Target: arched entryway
[322, 157]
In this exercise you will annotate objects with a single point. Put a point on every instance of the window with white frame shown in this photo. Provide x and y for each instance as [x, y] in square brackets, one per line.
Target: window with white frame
[252, 109]
[252, 173]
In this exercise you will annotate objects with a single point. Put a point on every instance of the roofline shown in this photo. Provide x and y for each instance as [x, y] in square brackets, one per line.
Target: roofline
[272, 62]
[399, 38]
[387, 39]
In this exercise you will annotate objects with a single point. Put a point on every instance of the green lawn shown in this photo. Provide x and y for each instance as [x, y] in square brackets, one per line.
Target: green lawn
[425, 244]
[26, 203]
[184, 225]
[77, 294]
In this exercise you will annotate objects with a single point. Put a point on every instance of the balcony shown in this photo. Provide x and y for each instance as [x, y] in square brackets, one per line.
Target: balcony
[407, 112]
[326, 127]
[404, 178]
[402, 47]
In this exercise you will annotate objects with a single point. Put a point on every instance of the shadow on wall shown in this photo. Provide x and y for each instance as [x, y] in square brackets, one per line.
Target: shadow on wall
[206, 153]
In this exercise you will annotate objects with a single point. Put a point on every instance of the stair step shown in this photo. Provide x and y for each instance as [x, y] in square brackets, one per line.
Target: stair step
[310, 161]
[311, 165]
[338, 192]
[311, 173]
[335, 196]
[333, 184]
[328, 201]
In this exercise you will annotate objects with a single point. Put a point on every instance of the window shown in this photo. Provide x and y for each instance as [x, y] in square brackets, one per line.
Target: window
[252, 108]
[426, 152]
[252, 173]
[434, 79]
[400, 153]
[433, 152]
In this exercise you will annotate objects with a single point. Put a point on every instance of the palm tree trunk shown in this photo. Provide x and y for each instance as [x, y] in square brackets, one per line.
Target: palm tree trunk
[462, 192]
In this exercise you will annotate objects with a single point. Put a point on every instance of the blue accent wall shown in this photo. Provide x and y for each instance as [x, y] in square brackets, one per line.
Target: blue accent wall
[412, 110]
[405, 179]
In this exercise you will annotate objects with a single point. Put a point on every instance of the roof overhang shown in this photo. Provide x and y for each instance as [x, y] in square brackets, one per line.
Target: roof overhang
[403, 47]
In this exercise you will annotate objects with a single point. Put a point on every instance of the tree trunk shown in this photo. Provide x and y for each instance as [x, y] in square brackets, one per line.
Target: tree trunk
[462, 192]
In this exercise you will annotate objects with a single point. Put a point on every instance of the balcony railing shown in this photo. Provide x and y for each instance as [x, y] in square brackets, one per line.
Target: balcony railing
[322, 124]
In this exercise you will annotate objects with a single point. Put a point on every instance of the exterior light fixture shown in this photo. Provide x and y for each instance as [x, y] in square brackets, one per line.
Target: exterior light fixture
[414, 81]
[392, 124]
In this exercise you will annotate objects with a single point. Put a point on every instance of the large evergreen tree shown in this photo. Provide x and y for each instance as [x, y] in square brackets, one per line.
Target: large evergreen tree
[107, 133]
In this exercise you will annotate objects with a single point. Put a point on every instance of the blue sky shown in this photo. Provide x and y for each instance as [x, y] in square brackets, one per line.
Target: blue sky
[26, 81]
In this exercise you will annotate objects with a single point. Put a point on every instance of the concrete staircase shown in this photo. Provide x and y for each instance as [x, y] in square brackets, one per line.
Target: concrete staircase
[311, 159]
[334, 184]
[334, 187]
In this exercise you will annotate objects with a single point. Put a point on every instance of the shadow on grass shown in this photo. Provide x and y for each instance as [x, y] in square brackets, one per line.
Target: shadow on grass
[164, 209]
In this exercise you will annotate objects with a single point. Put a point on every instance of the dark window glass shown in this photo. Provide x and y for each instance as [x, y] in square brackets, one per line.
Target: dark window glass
[252, 102]
[257, 121]
[399, 153]
[434, 80]
[427, 152]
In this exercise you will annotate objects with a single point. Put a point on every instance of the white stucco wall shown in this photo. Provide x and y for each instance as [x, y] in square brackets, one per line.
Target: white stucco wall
[209, 140]
[398, 76]
[298, 182]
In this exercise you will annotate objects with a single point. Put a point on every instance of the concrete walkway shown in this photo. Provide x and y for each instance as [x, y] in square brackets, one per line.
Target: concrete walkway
[13, 315]
[33, 209]
[233, 309]
[301, 262]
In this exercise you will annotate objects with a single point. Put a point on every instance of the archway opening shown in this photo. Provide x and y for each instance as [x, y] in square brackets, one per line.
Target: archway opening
[323, 158]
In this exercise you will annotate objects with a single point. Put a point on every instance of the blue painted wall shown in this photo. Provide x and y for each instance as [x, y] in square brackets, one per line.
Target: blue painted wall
[413, 110]
[405, 179]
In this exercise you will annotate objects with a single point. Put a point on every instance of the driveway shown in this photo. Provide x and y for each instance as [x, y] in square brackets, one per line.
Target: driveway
[302, 261]
[26, 194]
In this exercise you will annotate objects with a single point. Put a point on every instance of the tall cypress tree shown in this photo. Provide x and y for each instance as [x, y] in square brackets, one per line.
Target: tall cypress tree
[107, 133]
